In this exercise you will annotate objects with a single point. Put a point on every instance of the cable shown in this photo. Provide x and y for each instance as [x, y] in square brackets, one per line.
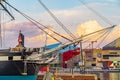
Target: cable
[98, 37]
[28, 18]
[37, 22]
[101, 16]
[7, 11]
[57, 20]
[93, 33]
[42, 29]
[93, 36]
[97, 31]
[103, 39]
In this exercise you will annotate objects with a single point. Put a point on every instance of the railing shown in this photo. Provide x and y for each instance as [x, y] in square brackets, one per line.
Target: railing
[83, 70]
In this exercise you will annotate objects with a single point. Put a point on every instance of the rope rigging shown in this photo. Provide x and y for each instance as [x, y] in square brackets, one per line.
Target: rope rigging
[7, 11]
[103, 18]
[24, 15]
[99, 35]
[63, 45]
[102, 35]
[57, 20]
[68, 43]
[34, 22]
[98, 14]
[97, 31]
[4, 11]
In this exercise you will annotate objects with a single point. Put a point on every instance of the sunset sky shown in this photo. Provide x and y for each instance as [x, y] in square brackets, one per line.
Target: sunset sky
[72, 13]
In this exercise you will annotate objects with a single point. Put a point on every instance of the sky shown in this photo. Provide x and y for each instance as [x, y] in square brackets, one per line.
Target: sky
[76, 16]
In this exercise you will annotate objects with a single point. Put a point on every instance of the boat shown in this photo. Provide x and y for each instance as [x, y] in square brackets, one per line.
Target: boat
[12, 61]
[22, 61]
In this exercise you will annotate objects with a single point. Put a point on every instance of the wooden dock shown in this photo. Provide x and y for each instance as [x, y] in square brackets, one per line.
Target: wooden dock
[68, 76]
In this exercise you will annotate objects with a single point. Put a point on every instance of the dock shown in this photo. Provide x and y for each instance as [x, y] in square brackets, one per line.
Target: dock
[69, 76]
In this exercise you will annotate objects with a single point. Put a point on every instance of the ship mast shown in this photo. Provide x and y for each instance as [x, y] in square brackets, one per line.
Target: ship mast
[0, 27]
[0, 32]
[3, 7]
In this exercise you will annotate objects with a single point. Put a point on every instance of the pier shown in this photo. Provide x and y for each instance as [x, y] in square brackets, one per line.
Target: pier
[69, 76]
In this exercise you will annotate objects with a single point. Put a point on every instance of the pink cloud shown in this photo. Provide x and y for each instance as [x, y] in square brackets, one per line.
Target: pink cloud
[33, 35]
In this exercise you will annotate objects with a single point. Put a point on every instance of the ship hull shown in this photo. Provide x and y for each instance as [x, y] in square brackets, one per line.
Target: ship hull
[34, 77]
[12, 68]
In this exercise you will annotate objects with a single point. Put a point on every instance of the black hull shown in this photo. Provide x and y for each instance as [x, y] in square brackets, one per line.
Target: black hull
[12, 68]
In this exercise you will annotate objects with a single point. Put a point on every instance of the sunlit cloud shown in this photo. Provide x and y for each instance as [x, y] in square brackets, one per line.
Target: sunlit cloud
[41, 39]
[92, 26]
[32, 34]
[88, 27]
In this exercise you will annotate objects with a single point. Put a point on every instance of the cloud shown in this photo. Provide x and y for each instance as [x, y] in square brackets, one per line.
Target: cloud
[32, 34]
[115, 33]
[41, 39]
[80, 14]
[88, 27]
[36, 38]
[104, 37]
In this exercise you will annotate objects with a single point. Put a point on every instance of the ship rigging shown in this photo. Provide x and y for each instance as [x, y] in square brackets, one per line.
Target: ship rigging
[36, 23]
[31, 59]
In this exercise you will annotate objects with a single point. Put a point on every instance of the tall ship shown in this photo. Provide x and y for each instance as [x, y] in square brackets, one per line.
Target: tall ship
[13, 61]
[23, 61]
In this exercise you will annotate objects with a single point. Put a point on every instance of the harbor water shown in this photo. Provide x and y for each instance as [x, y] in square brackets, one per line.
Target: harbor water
[18, 77]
